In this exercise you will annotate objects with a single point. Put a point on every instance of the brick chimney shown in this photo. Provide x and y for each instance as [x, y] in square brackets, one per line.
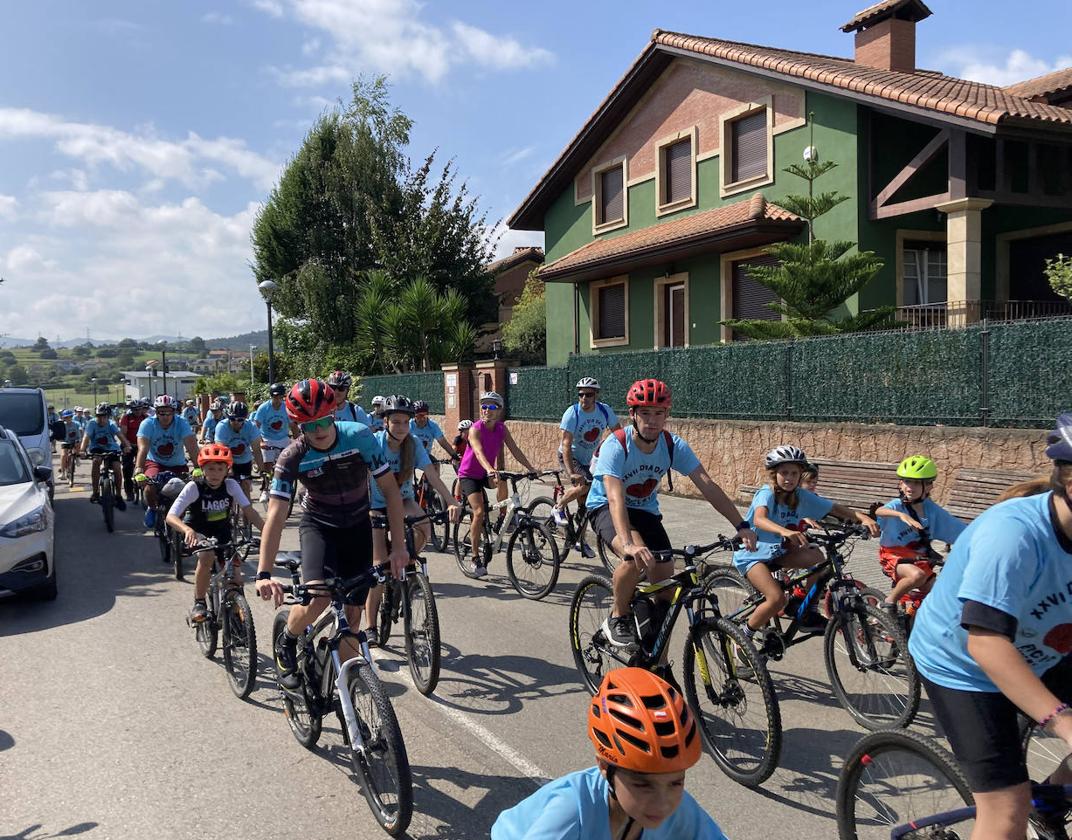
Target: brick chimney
[886, 34]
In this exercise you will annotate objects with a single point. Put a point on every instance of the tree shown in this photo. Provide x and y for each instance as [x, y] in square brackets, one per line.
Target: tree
[128, 343]
[40, 344]
[107, 353]
[197, 345]
[81, 352]
[525, 334]
[48, 353]
[125, 360]
[18, 375]
[221, 383]
[813, 278]
[1058, 272]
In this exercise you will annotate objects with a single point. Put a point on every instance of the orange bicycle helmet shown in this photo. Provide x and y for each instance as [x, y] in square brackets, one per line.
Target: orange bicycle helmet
[648, 393]
[214, 452]
[639, 722]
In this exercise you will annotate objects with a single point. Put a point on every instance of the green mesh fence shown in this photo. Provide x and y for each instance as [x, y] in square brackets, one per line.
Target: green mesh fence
[1029, 373]
[538, 393]
[416, 386]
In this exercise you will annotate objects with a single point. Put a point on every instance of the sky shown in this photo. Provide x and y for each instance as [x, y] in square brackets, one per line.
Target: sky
[138, 139]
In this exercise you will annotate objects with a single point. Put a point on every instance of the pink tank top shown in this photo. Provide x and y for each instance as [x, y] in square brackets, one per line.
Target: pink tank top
[491, 441]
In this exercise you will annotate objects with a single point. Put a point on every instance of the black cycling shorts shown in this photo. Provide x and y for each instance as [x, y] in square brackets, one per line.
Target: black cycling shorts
[581, 469]
[468, 486]
[648, 525]
[983, 729]
[240, 472]
[336, 552]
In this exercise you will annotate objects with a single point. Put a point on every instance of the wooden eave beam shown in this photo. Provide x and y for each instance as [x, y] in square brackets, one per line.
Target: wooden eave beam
[902, 208]
[922, 158]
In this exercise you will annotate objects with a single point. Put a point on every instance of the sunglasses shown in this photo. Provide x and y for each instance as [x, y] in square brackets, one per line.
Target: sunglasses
[489, 407]
[339, 387]
[587, 394]
[314, 425]
[167, 413]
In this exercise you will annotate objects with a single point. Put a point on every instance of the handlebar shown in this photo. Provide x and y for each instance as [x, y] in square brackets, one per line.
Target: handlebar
[691, 552]
[380, 522]
[838, 534]
[304, 593]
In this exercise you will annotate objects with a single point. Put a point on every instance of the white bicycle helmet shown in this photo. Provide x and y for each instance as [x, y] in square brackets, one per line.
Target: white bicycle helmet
[173, 488]
[784, 455]
[164, 401]
[588, 382]
[379, 399]
[492, 396]
[464, 424]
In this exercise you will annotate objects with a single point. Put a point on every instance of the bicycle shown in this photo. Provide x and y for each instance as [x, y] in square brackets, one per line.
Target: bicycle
[352, 690]
[412, 601]
[168, 542]
[733, 679]
[575, 529]
[228, 612]
[428, 500]
[533, 569]
[106, 488]
[900, 784]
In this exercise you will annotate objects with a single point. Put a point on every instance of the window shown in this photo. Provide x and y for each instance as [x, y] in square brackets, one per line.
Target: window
[672, 311]
[925, 273]
[609, 306]
[750, 298]
[609, 203]
[675, 177]
[747, 142]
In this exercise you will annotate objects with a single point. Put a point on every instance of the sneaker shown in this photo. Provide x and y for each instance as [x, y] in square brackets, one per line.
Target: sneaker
[890, 609]
[286, 661]
[811, 622]
[94, 499]
[743, 670]
[1048, 824]
[120, 504]
[480, 570]
[263, 499]
[199, 612]
[587, 551]
[372, 636]
[560, 516]
[149, 520]
[619, 630]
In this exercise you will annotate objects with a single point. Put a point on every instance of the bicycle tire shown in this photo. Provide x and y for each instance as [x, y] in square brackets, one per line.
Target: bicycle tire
[175, 542]
[591, 605]
[540, 509]
[163, 543]
[870, 594]
[304, 724]
[463, 552]
[607, 557]
[725, 648]
[859, 819]
[733, 591]
[71, 472]
[387, 613]
[425, 658]
[439, 532]
[384, 748]
[881, 648]
[107, 503]
[207, 633]
[1043, 752]
[239, 633]
[531, 549]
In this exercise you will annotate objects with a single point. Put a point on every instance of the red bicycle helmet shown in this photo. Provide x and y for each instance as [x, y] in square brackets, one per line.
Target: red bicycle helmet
[309, 400]
[648, 393]
[214, 452]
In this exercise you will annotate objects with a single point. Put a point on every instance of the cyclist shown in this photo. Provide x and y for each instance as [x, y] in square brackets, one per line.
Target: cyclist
[403, 452]
[461, 440]
[191, 415]
[376, 417]
[275, 427]
[130, 423]
[427, 431]
[583, 426]
[240, 435]
[624, 499]
[778, 512]
[334, 461]
[164, 442]
[478, 471]
[993, 636]
[208, 430]
[809, 478]
[72, 436]
[202, 511]
[340, 383]
[102, 436]
[908, 524]
[645, 740]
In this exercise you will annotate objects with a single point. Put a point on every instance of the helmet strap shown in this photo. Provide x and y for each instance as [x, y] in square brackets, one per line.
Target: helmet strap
[636, 431]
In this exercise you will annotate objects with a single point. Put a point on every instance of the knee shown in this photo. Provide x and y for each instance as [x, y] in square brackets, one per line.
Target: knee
[777, 599]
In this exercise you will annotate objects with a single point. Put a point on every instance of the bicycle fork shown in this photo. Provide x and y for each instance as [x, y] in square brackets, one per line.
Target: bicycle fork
[349, 713]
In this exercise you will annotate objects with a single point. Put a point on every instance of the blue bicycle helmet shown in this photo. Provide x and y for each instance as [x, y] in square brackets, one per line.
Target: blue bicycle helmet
[1059, 441]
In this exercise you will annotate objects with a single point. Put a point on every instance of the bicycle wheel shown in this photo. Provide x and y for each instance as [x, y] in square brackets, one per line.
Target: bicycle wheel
[532, 560]
[71, 471]
[422, 633]
[162, 540]
[732, 695]
[540, 510]
[388, 612]
[207, 634]
[1043, 752]
[463, 547]
[590, 607]
[303, 722]
[733, 591]
[107, 503]
[439, 532]
[870, 669]
[176, 545]
[871, 596]
[894, 777]
[607, 557]
[239, 644]
[382, 764]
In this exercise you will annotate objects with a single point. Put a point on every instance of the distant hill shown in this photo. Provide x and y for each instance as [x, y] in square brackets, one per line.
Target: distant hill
[234, 342]
[239, 342]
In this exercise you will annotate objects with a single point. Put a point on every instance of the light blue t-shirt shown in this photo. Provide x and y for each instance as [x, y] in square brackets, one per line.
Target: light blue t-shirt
[274, 424]
[352, 413]
[587, 428]
[102, 437]
[575, 808]
[208, 431]
[428, 435]
[191, 415]
[940, 525]
[394, 461]
[640, 473]
[768, 544]
[1011, 559]
[375, 423]
[240, 443]
[165, 445]
[72, 431]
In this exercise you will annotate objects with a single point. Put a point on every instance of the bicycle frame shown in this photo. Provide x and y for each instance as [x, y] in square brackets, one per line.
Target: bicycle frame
[1044, 798]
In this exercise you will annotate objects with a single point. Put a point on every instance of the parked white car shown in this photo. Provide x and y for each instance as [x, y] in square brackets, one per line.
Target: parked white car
[27, 560]
[24, 411]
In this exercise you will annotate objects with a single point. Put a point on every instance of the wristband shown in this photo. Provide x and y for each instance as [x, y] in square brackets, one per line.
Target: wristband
[264, 575]
[744, 526]
[1060, 710]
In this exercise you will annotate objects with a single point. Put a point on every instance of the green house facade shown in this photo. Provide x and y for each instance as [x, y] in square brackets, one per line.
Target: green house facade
[654, 211]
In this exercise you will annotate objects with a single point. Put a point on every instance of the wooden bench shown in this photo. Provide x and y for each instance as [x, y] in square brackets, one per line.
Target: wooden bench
[974, 491]
[855, 484]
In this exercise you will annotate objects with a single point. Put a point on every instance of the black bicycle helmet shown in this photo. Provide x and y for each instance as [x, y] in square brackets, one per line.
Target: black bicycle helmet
[1059, 441]
[340, 378]
[237, 411]
[397, 404]
[277, 390]
[104, 408]
[420, 406]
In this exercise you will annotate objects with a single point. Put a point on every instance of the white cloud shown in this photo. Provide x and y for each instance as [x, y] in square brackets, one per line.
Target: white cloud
[8, 203]
[512, 157]
[497, 51]
[981, 64]
[183, 160]
[271, 7]
[26, 258]
[509, 239]
[218, 18]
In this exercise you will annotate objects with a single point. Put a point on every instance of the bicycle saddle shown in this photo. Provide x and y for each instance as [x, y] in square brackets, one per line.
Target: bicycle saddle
[288, 560]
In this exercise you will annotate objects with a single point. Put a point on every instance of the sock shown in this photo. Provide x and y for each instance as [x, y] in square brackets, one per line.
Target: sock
[288, 637]
[749, 632]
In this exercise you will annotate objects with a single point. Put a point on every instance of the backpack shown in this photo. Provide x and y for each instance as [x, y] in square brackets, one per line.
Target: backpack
[620, 435]
[602, 410]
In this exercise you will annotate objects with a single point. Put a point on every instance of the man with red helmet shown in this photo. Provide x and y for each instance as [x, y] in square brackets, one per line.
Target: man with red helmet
[624, 500]
[334, 461]
[645, 740]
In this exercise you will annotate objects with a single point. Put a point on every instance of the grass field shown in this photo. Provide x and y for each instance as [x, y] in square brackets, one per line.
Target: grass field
[69, 398]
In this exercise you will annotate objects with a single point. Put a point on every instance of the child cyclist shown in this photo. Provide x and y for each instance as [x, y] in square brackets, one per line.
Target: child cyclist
[992, 638]
[206, 503]
[645, 740]
[461, 440]
[624, 499]
[776, 512]
[908, 524]
[404, 453]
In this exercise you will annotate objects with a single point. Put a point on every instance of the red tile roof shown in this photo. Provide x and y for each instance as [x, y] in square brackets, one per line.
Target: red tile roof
[914, 10]
[741, 215]
[520, 255]
[1050, 83]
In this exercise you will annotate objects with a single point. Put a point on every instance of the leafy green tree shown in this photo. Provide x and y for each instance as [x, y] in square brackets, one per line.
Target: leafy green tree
[1058, 272]
[525, 334]
[40, 344]
[221, 383]
[128, 343]
[125, 359]
[81, 352]
[49, 353]
[813, 278]
[197, 345]
[18, 375]
[107, 353]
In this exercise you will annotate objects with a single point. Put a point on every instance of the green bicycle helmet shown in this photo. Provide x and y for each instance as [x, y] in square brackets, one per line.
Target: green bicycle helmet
[917, 468]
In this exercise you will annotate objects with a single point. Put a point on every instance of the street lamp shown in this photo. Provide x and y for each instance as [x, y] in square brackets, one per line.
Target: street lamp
[149, 372]
[268, 288]
[163, 363]
[94, 381]
[252, 347]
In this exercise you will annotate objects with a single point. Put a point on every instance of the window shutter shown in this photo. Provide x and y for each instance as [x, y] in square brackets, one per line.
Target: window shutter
[612, 194]
[749, 157]
[612, 311]
[749, 297]
[677, 174]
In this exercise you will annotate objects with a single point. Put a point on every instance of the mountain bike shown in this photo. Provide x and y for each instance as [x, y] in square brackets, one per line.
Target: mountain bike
[428, 500]
[351, 690]
[865, 650]
[574, 534]
[168, 542]
[228, 614]
[900, 784]
[106, 488]
[412, 601]
[532, 558]
[727, 685]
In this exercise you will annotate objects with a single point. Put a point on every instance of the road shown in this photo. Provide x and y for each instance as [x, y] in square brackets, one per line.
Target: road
[112, 725]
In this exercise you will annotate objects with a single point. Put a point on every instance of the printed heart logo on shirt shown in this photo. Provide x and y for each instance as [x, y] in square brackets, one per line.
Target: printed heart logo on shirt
[640, 491]
[102, 439]
[238, 449]
[276, 425]
[165, 449]
[1059, 638]
[592, 435]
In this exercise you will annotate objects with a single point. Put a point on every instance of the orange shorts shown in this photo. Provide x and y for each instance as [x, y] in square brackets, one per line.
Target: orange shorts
[892, 556]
